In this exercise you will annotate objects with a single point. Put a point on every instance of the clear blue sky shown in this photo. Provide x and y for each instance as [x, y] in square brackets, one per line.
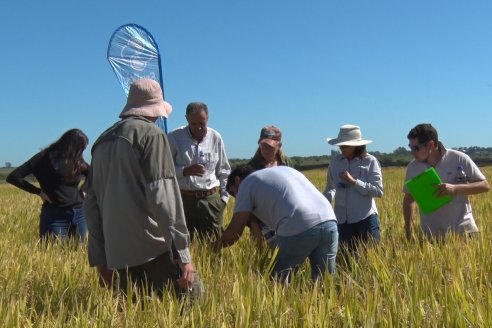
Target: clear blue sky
[305, 66]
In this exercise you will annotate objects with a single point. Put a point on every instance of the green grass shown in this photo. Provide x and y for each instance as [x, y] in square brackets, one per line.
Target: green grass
[418, 284]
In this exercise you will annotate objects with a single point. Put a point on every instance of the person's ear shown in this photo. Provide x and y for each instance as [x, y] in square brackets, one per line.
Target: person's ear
[237, 180]
[431, 144]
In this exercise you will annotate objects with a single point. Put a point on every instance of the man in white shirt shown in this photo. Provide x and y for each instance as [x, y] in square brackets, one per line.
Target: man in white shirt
[288, 203]
[450, 165]
[202, 168]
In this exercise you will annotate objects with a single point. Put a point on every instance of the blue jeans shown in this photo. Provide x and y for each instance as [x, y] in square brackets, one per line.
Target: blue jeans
[62, 222]
[363, 231]
[319, 244]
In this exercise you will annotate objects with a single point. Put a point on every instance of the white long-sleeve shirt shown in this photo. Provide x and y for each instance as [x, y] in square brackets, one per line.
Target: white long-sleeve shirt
[354, 203]
[185, 151]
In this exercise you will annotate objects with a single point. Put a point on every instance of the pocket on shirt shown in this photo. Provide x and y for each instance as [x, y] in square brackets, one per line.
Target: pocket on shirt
[212, 159]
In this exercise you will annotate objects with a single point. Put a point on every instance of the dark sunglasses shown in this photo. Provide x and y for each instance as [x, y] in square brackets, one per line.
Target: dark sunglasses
[417, 147]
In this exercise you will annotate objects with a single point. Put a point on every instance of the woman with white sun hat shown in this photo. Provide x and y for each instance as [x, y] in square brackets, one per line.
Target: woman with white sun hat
[354, 179]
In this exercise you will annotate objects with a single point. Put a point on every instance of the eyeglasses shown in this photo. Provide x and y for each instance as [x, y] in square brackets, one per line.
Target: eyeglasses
[417, 147]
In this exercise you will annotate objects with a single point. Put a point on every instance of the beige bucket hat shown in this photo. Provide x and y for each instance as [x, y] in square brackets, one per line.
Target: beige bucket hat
[145, 99]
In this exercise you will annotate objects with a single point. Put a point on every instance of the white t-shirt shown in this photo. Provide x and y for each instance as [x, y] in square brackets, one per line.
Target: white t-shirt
[457, 214]
[284, 199]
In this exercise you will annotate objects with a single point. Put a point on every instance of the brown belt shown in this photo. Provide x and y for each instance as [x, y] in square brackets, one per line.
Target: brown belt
[198, 193]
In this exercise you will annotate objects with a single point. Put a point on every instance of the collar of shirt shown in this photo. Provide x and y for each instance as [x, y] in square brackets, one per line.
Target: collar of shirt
[199, 140]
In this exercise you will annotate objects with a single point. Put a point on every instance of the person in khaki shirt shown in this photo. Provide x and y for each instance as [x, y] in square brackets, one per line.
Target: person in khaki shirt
[134, 210]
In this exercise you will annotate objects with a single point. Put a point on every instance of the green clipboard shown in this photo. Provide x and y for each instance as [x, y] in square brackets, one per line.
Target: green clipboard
[422, 188]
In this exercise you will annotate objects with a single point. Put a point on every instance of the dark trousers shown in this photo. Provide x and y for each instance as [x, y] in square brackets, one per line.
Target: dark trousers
[157, 276]
[364, 231]
[204, 216]
[154, 276]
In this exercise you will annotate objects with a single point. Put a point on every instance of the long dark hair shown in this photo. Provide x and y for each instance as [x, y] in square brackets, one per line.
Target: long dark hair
[68, 151]
[360, 151]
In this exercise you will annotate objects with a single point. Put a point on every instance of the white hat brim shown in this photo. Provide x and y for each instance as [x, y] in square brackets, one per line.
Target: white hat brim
[336, 142]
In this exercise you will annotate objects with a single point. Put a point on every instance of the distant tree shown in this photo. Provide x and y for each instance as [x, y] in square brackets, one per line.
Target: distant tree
[8, 164]
[296, 159]
[400, 151]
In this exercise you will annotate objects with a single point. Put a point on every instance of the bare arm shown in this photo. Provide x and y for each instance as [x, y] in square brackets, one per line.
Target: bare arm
[256, 233]
[235, 229]
[408, 211]
[471, 188]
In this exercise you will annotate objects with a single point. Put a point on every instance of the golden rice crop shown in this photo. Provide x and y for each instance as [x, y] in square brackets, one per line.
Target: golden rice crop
[398, 283]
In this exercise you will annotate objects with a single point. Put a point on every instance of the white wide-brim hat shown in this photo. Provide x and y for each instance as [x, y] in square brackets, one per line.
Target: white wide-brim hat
[349, 135]
[145, 99]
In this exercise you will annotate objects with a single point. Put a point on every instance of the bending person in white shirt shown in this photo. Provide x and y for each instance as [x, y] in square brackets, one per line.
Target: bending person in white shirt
[286, 201]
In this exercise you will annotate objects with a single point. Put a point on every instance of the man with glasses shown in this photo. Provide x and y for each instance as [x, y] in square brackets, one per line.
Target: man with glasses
[202, 168]
[460, 177]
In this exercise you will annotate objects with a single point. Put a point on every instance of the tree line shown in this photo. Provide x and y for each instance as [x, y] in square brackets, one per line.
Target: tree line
[401, 156]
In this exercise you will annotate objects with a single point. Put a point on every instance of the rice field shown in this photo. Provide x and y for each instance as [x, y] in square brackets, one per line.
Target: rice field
[398, 283]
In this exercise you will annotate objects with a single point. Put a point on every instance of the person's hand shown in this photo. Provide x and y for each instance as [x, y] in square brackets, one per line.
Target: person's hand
[446, 189]
[187, 275]
[347, 177]
[45, 197]
[194, 170]
[105, 276]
